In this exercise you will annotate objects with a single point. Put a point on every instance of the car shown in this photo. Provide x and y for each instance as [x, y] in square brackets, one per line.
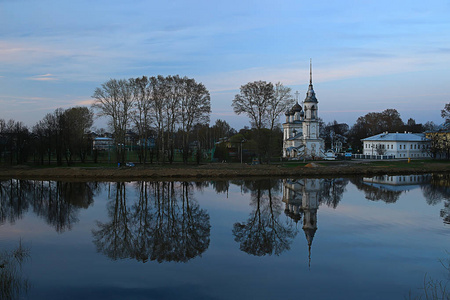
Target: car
[129, 164]
[330, 155]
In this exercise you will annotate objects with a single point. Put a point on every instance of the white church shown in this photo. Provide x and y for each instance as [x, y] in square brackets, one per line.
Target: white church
[301, 131]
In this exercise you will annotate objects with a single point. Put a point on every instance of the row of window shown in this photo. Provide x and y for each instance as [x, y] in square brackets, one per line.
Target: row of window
[382, 146]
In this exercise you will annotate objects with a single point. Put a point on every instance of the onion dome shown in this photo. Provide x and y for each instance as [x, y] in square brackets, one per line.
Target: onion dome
[287, 113]
[296, 108]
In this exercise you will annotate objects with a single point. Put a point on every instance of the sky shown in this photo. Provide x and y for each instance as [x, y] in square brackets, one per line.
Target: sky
[367, 56]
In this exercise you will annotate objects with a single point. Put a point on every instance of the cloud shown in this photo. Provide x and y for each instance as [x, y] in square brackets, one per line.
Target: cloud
[45, 77]
[84, 102]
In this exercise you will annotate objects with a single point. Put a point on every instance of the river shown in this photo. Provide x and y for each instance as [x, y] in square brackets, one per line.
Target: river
[384, 237]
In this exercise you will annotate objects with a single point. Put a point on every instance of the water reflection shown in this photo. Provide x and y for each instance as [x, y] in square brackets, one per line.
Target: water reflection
[435, 189]
[303, 197]
[165, 223]
[263, 233]
[56, 202]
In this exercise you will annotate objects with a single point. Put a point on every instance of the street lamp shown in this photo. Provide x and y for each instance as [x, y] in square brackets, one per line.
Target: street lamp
[242, 141]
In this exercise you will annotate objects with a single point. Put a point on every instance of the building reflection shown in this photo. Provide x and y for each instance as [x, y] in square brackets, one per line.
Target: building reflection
[301, 197]
[388, 188]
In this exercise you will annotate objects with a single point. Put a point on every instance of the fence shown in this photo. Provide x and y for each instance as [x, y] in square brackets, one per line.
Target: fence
[364, 156]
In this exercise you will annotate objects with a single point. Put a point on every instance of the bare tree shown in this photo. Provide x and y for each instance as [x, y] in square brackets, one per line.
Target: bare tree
[76, 122]
[445, 113]
[195, 109]
[254, 101]
[158, 98]
[281, 101]
[262, 103]
[114, 100]
[142, 115]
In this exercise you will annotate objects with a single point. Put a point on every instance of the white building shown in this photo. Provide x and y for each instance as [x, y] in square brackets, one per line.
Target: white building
[103, 144]
[397, 145]
[301, 129]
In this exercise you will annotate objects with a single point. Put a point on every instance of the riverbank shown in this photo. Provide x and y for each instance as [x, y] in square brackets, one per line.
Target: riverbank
[227, 170]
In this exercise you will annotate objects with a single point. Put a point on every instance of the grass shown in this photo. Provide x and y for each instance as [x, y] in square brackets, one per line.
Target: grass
[12, 283]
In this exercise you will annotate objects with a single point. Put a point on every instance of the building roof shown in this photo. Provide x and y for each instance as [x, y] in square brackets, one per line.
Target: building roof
[296, 137]
[397, 137]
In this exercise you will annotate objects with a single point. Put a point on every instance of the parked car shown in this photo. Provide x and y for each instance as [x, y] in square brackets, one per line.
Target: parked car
[330, 155]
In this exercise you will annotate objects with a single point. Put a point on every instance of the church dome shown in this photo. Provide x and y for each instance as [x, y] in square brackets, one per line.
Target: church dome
[310, 95]
[287, 113]
[296, 108]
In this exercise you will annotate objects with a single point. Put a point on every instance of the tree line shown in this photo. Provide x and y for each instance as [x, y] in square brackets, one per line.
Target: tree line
[174, 112]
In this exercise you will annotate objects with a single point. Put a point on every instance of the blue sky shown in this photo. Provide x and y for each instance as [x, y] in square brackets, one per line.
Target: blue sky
[367, 55]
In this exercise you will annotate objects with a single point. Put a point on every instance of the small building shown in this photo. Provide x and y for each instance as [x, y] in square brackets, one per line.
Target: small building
[397, 145]
[103, 144]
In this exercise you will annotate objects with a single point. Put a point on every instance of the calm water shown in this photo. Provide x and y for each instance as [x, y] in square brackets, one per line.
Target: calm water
[358, 238]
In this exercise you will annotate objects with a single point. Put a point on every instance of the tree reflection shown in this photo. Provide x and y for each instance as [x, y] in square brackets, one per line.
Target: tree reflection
[165, 223]
[263, 233]
[14, 199]
[332, 190]
[56, 202]
[437, 191]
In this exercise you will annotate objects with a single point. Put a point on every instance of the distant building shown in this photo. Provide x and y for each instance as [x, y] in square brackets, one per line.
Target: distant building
[301, 129]
[397, 145]
[103, 143]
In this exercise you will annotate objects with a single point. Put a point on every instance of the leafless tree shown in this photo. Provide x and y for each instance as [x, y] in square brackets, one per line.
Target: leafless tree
[263, 104]
[281, 101]
[195, 109]
[114, 100]
[142, 114]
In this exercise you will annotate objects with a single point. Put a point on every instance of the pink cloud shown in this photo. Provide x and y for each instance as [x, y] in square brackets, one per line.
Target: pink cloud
[45, 77]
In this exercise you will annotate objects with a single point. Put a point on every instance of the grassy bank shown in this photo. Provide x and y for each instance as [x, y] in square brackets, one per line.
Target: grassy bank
[225, 170]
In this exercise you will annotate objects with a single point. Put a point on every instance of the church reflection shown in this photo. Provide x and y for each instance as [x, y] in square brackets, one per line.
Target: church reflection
[301, 197]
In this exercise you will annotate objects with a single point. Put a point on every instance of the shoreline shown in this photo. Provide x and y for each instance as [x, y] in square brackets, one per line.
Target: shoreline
[223, 171]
